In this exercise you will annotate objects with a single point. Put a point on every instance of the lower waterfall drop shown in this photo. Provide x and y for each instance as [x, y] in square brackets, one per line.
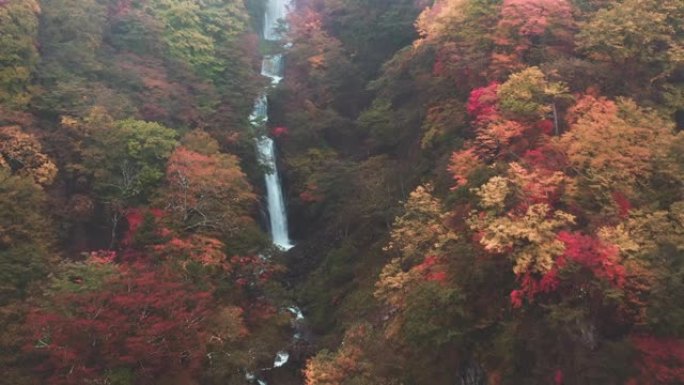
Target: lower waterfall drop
[274, 194]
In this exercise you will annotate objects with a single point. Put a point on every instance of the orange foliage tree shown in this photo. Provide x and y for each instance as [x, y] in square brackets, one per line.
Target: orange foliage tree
[207, 190]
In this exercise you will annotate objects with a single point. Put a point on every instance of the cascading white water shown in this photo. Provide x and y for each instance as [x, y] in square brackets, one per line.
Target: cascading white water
[271, 67]
[276, 10]
[274, 194]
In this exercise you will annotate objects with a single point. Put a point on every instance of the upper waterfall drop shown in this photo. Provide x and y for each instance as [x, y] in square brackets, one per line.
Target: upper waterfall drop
[275, 10]
[271, 67]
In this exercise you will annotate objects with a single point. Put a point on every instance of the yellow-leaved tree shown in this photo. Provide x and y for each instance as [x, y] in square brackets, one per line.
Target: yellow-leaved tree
[612, 146]
[419, 239]
[22, 154]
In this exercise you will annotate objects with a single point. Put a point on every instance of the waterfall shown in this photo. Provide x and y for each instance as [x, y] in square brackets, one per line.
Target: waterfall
[274, 193]
[275, 10]
[271, 66]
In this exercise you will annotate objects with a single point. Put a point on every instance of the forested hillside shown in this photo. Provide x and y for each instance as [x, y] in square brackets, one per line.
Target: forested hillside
[129, 228]
[480, 192]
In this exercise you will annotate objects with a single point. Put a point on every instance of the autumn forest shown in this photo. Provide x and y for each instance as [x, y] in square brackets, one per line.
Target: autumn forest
[455, 192]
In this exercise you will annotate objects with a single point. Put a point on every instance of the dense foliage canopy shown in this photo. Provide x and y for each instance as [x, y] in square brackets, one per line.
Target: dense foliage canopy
[481, 192]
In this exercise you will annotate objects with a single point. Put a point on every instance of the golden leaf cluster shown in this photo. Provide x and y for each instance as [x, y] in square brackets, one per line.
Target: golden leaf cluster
[22, 153]
[530, 239]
